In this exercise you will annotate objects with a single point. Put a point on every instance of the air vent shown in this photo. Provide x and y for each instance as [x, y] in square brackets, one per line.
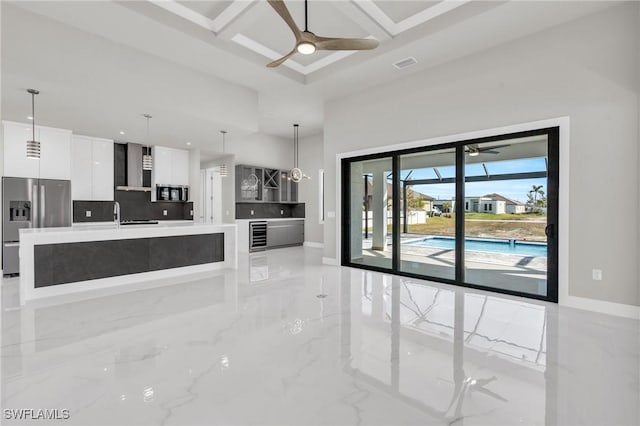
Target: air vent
[403, 63]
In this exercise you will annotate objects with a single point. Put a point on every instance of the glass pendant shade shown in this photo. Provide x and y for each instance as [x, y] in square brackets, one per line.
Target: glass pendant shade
[147, 159]
[147, 162]
[223, 167]
[33, 146]
[33, 150]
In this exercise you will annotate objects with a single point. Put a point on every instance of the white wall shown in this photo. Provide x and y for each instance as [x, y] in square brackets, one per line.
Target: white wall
[228, 187]
[260, 149]
[257, 149]
[194, 182]
[311, 156]
[573, 70]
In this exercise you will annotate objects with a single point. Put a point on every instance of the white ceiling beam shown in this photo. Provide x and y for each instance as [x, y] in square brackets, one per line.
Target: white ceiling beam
[429, 14]
[217, 25]
[377, 15]
[186, 13]
[227, 22]
[383, 20]
[351, 10]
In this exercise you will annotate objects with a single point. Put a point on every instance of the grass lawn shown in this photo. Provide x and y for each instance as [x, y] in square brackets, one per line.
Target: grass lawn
[486, 226]
[505, 216]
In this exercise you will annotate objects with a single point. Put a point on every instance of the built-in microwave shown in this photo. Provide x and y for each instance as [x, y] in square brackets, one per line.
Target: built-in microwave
[172, 193]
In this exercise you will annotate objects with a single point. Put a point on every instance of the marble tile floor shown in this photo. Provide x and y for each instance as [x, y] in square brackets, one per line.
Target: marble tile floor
[285, 340]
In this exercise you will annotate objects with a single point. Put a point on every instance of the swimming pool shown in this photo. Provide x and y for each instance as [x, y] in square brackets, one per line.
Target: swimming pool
[492, 246]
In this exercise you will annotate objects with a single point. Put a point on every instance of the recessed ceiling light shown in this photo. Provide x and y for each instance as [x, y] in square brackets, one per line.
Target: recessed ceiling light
[29, 118]
[188, 143]
[121, 132]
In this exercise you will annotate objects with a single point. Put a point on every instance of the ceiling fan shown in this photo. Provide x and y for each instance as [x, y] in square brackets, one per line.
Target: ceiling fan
[307, 42]
[474, 150]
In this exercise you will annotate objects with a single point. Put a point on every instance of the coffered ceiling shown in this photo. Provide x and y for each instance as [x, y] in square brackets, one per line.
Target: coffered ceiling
[199, 66]
[254, 25]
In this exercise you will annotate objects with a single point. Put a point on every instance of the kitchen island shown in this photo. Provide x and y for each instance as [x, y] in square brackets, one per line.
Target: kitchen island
[56, 261]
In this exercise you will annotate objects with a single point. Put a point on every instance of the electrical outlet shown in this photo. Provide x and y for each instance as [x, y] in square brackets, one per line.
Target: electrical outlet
[251, 212]
[596, 274]
[164, 212]
[87, 213]
[281, 212]
[227, 212]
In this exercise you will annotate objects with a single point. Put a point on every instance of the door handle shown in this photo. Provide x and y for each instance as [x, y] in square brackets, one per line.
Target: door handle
[42, 206]
[549, 231]
[35, 216]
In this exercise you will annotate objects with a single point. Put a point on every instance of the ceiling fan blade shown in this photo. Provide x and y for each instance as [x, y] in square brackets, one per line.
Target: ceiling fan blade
[281, 9]
[489, 148]
[279, 62]
[325, 43]
[489, 152]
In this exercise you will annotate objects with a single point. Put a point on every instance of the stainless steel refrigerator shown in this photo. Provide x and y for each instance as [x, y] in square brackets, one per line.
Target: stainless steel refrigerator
[30, 203]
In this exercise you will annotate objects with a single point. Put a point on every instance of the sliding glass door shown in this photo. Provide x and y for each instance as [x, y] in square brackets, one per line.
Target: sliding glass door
[506, 189]
[370, 211]
[428, 231]
[478, 213]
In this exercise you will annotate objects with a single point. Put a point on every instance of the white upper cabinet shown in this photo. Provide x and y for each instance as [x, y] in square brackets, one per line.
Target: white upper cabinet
[102, 171]
[55, 146]
[180, 167]
[170, 166]
[92, 169]
[161, 171]
[55, 153]
[81, 168]
[16, 163]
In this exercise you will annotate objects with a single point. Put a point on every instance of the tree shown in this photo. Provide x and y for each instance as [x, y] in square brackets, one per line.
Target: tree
[413, 201]
[536, 196]
[446, 207]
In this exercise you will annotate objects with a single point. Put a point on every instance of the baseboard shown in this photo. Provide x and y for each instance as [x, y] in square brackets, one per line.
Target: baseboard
[601, 306]
[330, 261]
[313, 244]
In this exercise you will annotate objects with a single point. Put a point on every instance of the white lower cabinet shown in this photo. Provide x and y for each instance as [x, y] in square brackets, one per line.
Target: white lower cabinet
[92, 169]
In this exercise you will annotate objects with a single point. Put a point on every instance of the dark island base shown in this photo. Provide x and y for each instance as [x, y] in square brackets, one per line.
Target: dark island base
[70, 262]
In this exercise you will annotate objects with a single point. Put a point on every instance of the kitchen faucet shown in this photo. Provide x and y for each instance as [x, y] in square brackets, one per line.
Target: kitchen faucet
[116, 213]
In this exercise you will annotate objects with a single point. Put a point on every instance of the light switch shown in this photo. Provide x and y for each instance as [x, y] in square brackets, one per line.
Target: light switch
[281, 212]
[251, 212]
[331, 214]
[190, 212]
[164, 212]
[87, 213]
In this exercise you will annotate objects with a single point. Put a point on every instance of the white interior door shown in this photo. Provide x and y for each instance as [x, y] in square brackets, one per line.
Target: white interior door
[212, 196]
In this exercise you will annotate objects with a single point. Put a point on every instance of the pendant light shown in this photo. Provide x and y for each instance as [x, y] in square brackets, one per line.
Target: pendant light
[223, 167]
[33, 146]
[147, 160]
[296, 174]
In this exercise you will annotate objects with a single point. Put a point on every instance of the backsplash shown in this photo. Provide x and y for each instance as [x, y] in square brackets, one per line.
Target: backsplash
[134, 205]
[269, 210]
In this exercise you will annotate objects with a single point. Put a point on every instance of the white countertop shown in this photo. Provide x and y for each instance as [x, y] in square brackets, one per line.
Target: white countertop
[111, 231]
[269, 219]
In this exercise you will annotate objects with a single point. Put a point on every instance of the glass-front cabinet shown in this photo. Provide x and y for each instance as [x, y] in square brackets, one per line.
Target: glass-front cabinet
[249, 183]
[263, 184]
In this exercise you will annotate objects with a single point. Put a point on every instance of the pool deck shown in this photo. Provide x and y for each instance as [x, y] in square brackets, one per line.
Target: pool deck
[498, 270]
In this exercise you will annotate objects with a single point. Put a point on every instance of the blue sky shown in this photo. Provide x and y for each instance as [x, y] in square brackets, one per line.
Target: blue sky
[515, 189]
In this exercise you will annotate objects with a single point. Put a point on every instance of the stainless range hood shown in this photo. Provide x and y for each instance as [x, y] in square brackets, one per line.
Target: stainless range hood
[134, 169]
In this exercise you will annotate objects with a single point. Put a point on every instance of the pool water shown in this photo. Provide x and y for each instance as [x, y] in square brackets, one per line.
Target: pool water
[519, 248]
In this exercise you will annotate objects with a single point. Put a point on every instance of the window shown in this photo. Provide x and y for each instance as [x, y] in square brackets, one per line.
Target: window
[382, 192]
